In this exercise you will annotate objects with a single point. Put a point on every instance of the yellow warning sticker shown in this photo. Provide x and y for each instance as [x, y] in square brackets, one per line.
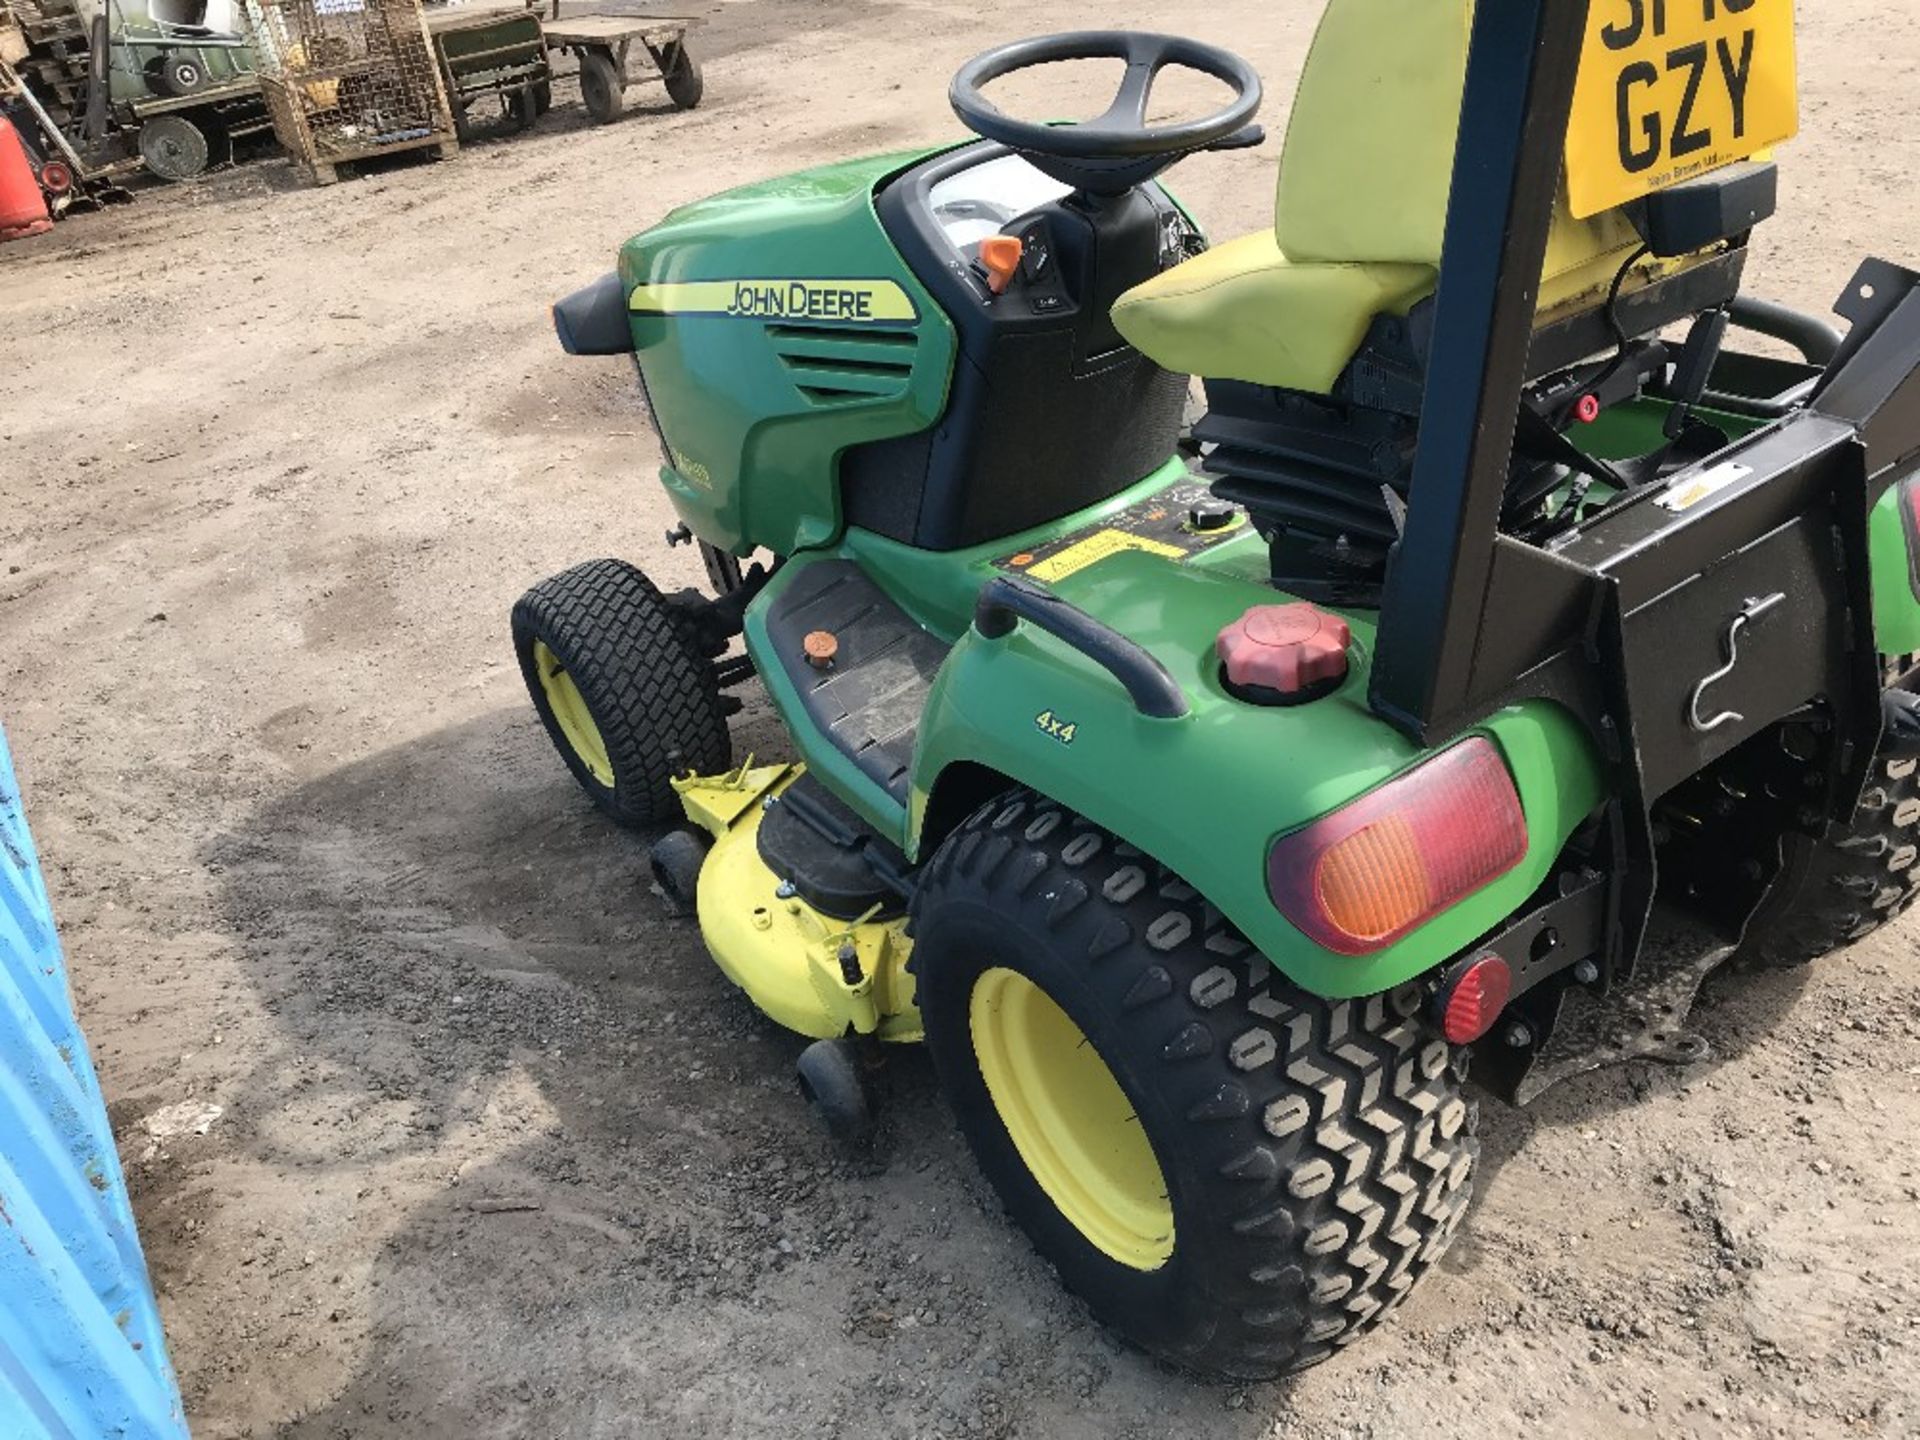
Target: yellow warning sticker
[1689, 493]
[1095, 548]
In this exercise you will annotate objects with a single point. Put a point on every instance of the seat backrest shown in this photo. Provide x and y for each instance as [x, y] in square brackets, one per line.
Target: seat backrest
[1368, 160]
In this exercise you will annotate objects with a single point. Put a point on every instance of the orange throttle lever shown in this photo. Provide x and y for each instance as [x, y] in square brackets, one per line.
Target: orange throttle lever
[1001, 254]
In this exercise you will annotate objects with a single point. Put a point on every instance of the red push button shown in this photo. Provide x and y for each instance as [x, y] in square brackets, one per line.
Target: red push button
[1286, 649]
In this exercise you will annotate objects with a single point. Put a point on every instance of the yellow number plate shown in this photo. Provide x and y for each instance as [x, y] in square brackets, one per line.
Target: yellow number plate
[1669, 89]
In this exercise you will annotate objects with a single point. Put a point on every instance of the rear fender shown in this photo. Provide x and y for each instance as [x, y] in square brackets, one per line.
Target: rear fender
[1894, 547]
[1206, 794]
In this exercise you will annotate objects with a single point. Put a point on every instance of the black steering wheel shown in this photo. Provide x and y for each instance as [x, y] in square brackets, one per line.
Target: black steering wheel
[1119, 150]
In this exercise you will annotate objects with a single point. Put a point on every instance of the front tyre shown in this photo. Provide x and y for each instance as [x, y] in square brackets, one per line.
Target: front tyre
[622, 687]
[1238, 1176]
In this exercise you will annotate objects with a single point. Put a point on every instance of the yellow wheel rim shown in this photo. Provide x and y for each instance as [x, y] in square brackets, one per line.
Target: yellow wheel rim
[1070, 1120]
[570, 712]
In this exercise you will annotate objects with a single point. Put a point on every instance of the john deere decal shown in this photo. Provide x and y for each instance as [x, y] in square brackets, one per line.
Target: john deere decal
[859, 302]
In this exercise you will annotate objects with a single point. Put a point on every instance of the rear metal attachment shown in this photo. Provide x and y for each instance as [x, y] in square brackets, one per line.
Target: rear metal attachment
[1753, 610]
[1644, 1021]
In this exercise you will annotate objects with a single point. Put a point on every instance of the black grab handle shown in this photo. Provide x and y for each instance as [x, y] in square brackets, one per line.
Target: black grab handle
[1810, 335]
[1006, 600]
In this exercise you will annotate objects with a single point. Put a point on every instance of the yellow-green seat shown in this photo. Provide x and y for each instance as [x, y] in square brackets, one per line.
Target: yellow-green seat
[1244, 311]
[1360, 216]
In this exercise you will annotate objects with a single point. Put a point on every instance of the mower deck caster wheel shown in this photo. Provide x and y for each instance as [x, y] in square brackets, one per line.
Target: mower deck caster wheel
[676, 858]
[831, 1077]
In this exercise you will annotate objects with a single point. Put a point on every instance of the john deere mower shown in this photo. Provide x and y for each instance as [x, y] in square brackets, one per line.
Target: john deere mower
[1504, 650]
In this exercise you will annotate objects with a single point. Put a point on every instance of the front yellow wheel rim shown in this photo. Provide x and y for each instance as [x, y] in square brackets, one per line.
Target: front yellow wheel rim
[570, 713]
[1070, 1120]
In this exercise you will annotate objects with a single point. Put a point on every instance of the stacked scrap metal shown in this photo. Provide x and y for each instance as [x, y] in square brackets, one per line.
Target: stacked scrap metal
[114, 84]
[349, 79]
[45, 41]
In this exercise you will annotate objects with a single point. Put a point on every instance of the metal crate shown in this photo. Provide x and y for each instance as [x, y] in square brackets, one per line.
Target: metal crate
[349, 79]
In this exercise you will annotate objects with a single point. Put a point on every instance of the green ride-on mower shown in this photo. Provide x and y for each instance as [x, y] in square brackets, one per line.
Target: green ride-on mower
[1504, 650]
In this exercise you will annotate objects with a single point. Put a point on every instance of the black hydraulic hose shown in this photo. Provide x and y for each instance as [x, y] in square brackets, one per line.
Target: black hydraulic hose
[1813, 337]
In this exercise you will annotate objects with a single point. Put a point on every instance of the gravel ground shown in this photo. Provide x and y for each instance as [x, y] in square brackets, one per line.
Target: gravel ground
[502, 1153]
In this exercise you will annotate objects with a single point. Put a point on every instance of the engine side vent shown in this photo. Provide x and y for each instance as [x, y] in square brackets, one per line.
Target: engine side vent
[840, 365]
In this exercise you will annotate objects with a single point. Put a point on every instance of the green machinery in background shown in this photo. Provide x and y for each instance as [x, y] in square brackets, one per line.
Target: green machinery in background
[164, 84]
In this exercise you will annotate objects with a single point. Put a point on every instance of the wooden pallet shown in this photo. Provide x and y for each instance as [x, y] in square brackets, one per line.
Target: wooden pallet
[325, 169]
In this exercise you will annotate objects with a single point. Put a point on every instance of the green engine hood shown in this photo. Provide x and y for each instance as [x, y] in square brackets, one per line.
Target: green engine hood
[776, 325]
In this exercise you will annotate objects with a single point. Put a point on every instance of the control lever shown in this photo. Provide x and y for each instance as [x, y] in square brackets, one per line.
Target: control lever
[1000, 257]
[1694, 368]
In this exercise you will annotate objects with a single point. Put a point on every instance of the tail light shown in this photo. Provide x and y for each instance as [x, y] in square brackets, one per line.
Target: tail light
[1474, 998]
[1357, 880]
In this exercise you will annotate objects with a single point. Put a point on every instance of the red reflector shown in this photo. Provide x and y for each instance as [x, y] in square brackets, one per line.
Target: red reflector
[1587, 409]
[1478, 997]
[1359, 879]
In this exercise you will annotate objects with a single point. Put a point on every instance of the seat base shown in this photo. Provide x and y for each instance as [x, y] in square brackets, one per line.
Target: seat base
[1244, 311]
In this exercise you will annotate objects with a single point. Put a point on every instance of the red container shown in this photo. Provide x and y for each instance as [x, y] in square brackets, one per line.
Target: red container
[23, 211]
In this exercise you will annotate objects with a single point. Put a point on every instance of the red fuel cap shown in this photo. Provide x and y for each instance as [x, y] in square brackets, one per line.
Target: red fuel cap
[1286, 649]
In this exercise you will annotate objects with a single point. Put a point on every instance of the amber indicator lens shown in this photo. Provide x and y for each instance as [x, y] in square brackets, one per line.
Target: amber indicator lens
[1361, 878]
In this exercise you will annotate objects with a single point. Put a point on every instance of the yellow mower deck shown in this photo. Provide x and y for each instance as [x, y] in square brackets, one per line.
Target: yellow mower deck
[786, 955]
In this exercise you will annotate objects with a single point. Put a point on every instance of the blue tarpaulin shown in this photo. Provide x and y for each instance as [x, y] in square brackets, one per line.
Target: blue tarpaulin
[81, 1353]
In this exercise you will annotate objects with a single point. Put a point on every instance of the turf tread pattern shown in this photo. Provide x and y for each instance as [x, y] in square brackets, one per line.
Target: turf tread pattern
[653, 695]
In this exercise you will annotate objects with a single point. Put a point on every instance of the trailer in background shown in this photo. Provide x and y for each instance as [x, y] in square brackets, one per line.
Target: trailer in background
[495, 53]
[616, 52]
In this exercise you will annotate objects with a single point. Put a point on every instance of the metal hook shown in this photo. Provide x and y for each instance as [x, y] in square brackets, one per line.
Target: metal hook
[1753, 610]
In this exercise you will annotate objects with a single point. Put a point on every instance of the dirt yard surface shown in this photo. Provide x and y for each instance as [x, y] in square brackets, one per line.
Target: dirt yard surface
[500, 1152]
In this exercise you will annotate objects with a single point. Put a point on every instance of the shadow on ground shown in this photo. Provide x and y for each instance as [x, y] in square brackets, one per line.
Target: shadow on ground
[606, 1209]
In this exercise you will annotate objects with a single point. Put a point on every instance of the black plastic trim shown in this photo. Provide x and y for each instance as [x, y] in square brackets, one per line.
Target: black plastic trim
[1006, 600]
[594, 320]
[1813, 337]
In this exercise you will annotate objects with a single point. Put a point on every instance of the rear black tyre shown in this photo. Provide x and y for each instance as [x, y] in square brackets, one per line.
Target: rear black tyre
[527, 105]
[626, 695]
[176, 76]
[685, 84]
[174, 148]
[1842, 889]
[602, 88]
[1238, 1176]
